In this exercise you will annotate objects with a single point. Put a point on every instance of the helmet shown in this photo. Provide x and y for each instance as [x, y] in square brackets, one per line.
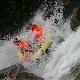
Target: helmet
[15, 41]
[34, 27]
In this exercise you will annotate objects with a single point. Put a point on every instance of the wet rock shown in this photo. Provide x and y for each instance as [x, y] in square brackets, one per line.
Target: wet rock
[17, 72]
[75, 71]
[27, 76]
[11, 70]
[69, 6]
[73, 74]
[14, 13]
[75, 19]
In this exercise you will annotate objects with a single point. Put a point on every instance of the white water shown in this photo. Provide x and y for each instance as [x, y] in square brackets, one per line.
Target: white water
[63, 55]
[7, 54]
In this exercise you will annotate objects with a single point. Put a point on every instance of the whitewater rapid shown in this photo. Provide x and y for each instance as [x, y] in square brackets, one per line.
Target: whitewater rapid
[8, 55]
[65, 56]
[64, 51]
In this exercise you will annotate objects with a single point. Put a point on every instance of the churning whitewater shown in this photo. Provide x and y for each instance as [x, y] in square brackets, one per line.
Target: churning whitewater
[63, 53]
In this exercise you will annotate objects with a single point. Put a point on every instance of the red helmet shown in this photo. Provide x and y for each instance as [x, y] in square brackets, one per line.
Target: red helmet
[34, 26]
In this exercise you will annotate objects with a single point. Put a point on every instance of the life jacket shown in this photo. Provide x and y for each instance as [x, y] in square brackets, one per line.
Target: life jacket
[20, 44]
[39, 37]
[36, 28]
[38, 32]
[23, 44]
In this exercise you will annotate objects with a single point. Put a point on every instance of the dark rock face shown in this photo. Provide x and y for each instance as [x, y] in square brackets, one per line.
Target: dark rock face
[72, 7]
[74, 73]
[75, 19]
[14, 13]
[69, 6]
[11, 70]
[17, 72]
[73, 24]
[27, 76]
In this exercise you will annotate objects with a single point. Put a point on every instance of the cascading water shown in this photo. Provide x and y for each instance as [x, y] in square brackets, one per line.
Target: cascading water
[64, 51]
[65, 56]
[7, 54]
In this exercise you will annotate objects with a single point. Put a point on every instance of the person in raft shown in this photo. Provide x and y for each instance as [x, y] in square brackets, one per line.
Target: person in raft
[38, 32]
[26, 46]
[23, 46]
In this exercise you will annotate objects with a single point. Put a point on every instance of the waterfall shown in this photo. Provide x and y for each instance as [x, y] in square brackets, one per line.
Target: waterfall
[64, 50]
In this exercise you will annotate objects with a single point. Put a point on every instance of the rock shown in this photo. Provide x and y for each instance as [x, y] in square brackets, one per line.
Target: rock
[69, 6]
[17, 72]
[14, 13]
[11, 70]
[73, 74]
[27, 76]
[75, 19]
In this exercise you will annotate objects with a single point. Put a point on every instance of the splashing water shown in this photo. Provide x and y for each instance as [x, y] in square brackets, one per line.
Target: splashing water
[64, 51]
[7, 54]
